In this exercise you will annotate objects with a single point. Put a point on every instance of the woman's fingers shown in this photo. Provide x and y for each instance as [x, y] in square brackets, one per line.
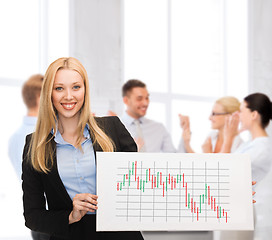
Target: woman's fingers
[253, 193]
[86, 206]
[81, 207]
[82, 203]
[83, 196]
[86, 202]
[184, 121]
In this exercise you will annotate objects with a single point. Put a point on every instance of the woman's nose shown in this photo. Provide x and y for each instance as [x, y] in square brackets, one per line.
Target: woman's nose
[68, 94]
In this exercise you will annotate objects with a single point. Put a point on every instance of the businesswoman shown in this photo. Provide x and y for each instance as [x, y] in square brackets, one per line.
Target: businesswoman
[222, 108]
[59, 160]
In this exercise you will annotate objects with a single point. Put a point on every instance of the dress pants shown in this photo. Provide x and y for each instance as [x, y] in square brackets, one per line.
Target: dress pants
[39, 236]
[85, 229]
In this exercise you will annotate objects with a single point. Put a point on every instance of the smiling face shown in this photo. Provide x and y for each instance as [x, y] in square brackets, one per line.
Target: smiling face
[137, 102]
[68, 94]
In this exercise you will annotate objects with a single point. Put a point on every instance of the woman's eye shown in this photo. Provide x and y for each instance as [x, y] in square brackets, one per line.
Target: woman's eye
[58, 88]
[76, 87]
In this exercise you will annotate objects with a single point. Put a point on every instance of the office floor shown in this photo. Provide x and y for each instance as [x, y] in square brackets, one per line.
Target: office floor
[178, 235]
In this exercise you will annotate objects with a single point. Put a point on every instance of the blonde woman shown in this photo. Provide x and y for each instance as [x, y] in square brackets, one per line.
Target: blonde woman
[59, 160]
[222, 108]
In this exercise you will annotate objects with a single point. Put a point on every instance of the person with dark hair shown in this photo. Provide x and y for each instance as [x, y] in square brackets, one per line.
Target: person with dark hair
[149, 135]
[130, 84]
[222, 108]
[255, 115]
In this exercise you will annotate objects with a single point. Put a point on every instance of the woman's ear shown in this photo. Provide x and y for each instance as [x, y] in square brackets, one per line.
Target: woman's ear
[255, 115]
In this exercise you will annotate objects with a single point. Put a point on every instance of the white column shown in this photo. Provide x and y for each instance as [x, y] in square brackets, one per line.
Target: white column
[260, 39]
[260, 48]
[95, 39]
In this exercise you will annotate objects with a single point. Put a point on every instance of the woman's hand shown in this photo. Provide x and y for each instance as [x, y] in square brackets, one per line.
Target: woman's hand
[230, 132]
[253, 193]
[184, 122]
[186, 135]
[82, 203]
[231, 126]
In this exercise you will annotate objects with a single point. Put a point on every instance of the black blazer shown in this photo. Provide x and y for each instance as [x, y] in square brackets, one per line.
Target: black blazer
[40, 187]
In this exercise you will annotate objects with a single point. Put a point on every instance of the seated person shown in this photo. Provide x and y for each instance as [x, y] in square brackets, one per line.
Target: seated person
[222, 108]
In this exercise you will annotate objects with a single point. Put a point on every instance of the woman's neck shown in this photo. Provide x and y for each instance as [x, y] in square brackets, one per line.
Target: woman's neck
[68, 130]
[257, 131]
[219, 141]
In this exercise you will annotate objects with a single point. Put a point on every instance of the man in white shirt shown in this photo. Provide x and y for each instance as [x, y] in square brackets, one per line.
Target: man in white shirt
[31, 95]
[150, 136]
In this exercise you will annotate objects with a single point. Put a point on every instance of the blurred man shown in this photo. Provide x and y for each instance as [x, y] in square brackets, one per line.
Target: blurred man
[31, 96]
[150, 136]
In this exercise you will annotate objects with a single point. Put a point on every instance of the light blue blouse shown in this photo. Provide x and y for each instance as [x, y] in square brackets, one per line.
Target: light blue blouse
[77, 169]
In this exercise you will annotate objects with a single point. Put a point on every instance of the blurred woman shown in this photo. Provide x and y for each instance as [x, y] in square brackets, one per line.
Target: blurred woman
[222, 108]
[255, 115]
[59, 160]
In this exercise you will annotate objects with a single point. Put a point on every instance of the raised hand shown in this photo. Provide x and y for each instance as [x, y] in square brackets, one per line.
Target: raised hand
[184, 121]
[186, 135]
[231, 126]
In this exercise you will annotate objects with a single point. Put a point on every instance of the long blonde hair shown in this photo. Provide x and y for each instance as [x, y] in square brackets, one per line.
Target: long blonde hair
[41, 150]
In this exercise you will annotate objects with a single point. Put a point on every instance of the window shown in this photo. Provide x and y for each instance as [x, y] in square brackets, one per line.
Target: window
[189, 53]
[19, 46]
[30, 40]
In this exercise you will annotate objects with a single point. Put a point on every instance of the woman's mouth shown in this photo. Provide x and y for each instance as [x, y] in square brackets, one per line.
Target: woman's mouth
[68, 106]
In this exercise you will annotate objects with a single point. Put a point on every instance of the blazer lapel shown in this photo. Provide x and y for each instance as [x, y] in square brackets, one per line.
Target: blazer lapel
[54, 177]
[96, 146]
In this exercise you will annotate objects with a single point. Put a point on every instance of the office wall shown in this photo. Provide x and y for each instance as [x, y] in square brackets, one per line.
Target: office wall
[96, 39]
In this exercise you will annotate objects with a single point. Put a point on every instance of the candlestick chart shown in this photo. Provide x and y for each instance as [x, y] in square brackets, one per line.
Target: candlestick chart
[182, 193]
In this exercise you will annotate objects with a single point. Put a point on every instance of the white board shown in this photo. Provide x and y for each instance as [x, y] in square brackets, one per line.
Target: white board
[173, 192]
